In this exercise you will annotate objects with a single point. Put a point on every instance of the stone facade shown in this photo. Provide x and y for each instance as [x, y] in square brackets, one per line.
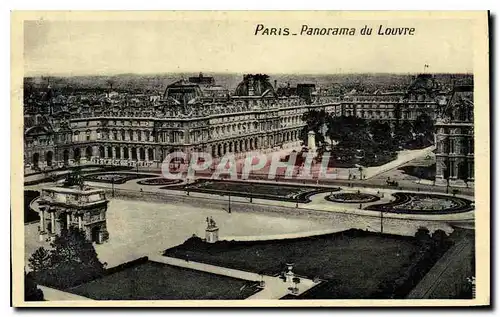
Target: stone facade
[141, 130]
[455, 139]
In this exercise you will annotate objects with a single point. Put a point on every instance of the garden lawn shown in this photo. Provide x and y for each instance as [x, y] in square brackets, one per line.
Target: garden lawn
[357, 262]
[158, 281]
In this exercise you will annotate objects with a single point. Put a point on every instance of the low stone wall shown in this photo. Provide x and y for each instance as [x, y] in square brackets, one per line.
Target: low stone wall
[355, 220]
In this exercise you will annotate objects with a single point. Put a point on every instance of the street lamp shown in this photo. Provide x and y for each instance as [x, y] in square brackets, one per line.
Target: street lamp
[113, 186]
[381, 221]
[229, 198]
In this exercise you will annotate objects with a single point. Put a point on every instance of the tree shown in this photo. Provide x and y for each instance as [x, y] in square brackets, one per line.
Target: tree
[423, 126]
[40, 260]
[403, 133]
[73, 261]
[423, 236]
[315, 120]
[349, 131]
[381, 134]
[31, 290]
[73, 247]
[441, 240]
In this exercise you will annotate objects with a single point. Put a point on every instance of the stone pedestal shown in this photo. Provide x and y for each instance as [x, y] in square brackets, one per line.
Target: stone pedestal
[212, 235]
[212, 231]
[289, 275]
[311, 141]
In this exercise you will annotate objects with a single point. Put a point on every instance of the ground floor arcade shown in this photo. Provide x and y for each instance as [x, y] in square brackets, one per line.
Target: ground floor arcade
[128, 153]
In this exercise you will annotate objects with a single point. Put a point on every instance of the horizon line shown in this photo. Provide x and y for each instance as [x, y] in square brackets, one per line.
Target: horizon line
[242, 73]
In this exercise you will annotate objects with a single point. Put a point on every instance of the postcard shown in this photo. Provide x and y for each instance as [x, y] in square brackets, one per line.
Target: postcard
[250, 158]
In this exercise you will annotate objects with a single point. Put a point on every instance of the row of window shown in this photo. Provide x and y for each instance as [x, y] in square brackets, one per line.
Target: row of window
[372, 106]
[459, 146]
[111, 123]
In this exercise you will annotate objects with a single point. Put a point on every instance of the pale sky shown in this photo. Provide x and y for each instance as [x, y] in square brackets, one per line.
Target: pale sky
[226, 43]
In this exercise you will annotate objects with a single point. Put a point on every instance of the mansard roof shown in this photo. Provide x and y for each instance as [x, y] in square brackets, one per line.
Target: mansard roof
[254, 85]
[461, 101]
[182, 92]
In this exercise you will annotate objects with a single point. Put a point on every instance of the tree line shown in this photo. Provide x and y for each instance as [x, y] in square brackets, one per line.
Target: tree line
[350, 132]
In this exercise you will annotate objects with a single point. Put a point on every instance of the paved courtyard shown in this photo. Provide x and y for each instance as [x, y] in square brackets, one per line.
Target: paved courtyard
[139, 228]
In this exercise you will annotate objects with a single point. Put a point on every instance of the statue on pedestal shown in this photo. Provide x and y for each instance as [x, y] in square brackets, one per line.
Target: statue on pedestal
[211, 223]
[212, 231]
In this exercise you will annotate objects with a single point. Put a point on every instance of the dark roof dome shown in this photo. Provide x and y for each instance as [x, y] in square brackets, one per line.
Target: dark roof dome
[254, 85]
[424, 82]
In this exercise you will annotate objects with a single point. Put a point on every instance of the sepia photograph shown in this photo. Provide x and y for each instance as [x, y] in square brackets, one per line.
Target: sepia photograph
[244, 158]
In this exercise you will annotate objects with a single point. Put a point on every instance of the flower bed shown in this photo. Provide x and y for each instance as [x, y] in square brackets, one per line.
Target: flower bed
[414, 203]
[117, 178]
[282, 192]
[352, 198]
[159, 181]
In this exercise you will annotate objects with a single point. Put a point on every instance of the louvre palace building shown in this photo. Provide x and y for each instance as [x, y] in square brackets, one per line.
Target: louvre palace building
[196, 114]
[455, 139]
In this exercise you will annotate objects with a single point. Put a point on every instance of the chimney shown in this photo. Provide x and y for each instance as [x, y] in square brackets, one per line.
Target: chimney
[275, 84]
